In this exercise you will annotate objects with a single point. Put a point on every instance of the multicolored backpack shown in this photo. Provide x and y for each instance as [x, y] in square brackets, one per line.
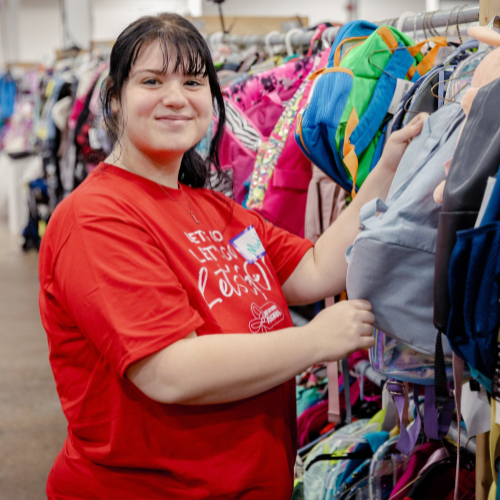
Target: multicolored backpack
[281, 175]
[342, 128]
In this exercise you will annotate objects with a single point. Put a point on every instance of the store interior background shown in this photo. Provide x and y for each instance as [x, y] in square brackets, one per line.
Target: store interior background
[32, 425]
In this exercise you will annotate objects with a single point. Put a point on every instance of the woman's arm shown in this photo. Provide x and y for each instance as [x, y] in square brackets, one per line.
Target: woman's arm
[322, 271]
[228, 367]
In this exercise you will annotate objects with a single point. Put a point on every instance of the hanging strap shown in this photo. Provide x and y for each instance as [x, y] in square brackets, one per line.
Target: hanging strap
[315, 38]
[428, 61]
[436, 423]
[458, 375]
[408, 435]
[332, 371]
[440, 380]
[347, 389]
[337, 58]
[350, 158]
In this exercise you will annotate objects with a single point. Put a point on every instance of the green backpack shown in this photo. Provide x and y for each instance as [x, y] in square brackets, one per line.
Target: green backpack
[342, 128]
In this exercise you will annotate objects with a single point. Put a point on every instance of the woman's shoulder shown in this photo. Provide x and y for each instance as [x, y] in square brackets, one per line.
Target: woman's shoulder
[102, 195]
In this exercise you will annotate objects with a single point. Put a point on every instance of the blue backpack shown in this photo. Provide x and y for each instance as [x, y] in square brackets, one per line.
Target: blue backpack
[342, 128]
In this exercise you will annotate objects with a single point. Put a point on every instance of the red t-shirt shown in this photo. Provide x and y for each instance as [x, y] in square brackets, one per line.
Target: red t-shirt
[125, 272]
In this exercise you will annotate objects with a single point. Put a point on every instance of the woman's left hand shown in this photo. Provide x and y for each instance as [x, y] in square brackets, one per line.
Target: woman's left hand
[399, 141]
[322, 272]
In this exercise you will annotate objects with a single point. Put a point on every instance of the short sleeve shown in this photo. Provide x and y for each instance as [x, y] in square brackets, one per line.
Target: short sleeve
[119, 288]
[285, 250]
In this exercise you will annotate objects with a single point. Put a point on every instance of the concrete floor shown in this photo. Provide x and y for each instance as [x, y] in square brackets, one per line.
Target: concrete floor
[32, 424]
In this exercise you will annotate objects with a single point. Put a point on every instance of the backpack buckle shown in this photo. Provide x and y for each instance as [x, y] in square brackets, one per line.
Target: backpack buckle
[396, 388]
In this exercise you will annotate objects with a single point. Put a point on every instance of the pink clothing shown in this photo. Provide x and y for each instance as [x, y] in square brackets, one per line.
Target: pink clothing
[283, 80]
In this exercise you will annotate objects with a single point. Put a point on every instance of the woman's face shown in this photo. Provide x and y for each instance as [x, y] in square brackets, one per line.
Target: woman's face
[164, 113]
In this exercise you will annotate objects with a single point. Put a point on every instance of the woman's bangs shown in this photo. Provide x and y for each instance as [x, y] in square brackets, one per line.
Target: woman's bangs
[188, 55]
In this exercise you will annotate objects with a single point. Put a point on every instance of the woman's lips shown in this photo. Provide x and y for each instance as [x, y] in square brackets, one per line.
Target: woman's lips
[174, 118]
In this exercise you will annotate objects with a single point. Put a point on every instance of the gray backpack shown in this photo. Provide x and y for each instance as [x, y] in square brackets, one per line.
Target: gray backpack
[391, 262]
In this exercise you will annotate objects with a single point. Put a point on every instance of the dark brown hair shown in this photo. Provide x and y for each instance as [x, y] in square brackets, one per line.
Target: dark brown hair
[181, 42]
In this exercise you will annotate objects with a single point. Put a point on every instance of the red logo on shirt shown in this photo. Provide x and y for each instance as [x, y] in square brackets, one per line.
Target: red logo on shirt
[266, 317]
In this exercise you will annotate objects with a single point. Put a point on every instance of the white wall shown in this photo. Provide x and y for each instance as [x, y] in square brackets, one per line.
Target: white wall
[40, 30]
[40, 27]
[111, 17]
[316, 10]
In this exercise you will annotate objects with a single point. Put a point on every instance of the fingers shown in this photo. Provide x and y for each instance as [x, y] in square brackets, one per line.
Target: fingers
[367, 342]
[363, 305]
[412, 129]
[366, 330]
[421, 117]
[367, 317]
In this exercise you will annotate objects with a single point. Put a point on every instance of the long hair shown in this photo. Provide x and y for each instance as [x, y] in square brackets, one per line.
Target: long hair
[181, 42]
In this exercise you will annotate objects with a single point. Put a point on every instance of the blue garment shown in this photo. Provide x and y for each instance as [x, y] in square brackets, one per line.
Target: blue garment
[474, 275]
[7, 96]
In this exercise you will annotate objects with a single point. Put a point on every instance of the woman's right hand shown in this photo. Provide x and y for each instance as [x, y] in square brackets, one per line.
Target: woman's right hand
[341, 329]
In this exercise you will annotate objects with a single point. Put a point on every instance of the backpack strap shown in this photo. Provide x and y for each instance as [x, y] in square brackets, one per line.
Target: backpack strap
[334, 413]
[349, 30]
[338, 51]
[409, 435]
[344, 365]
[349, 150]
[428, 61]
[360, 132]
[373, 117]
[458, 375]
[436, 423]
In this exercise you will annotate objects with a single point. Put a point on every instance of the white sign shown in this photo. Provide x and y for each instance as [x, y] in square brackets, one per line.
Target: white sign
[402, 88]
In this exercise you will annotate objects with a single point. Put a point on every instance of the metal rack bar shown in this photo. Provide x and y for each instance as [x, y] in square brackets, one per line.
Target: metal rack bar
[439, 19]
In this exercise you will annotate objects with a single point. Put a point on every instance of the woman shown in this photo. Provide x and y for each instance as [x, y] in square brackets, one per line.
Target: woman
[150, 283]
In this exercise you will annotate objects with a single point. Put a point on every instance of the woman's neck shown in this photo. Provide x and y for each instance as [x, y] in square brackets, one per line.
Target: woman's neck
[164, 171]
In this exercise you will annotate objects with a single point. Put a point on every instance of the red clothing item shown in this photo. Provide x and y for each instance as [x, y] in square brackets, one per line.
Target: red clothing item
[125, 271]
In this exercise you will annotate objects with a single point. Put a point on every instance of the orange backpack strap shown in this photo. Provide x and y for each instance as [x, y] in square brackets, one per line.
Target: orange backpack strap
[350, 158]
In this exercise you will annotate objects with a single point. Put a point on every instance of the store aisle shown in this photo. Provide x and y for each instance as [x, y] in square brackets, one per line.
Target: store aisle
[32, 425]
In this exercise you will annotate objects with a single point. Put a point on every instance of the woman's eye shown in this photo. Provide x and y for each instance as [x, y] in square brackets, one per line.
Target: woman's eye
[193, 83]
[150, 82]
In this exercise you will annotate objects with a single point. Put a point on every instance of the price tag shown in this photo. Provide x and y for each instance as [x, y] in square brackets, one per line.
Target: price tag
[248, 244]
[402, 88]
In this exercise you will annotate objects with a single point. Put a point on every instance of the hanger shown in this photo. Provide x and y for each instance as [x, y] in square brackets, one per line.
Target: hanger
[267, 42]
[325, 44]
[316, 36]
[402, 18]
[445, 99]
[288, 40]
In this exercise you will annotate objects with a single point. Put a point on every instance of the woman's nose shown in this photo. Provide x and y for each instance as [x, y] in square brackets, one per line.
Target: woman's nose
[173, 96]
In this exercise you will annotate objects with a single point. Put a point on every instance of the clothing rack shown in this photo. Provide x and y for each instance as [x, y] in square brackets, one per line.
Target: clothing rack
[484, 13]
[436, 19]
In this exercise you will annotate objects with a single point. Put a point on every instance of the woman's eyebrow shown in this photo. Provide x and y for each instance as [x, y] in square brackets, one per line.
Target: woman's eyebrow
[163, 73]
[155, 71]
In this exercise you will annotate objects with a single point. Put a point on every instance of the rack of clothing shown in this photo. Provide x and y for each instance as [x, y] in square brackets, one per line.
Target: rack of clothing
[410, 23]
[306, 197]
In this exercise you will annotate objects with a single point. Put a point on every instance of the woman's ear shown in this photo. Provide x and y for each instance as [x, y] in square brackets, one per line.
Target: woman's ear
[115, 105]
